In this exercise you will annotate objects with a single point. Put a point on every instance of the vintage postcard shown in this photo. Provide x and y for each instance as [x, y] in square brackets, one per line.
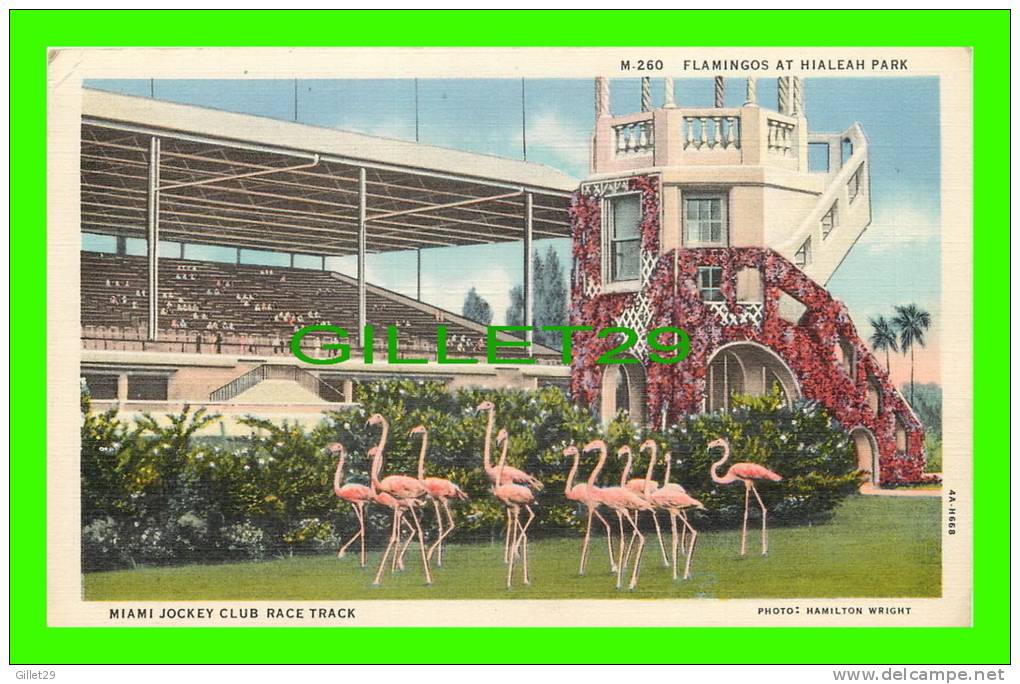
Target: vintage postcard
[458, 337]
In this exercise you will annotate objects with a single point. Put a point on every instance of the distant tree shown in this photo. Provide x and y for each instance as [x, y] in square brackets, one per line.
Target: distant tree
[550, 303]
[883, 337]
[911, 322]
[515, 312]
[550, 298]
[476, 308]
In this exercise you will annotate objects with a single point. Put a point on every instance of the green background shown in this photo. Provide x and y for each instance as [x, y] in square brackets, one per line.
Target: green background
[33, 32]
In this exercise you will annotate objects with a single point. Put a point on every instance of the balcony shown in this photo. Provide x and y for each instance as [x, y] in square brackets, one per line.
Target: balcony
[676, 136]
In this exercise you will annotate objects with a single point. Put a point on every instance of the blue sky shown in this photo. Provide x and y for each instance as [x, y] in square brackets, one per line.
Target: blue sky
[896, 261]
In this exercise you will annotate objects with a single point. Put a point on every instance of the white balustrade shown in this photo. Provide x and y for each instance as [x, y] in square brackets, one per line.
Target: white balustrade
[780, 137]
[751, 313]
[637, 137]
[711, 132]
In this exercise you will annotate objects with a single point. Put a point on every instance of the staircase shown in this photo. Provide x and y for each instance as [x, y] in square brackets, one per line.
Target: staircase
[309, 382]
[847, 195]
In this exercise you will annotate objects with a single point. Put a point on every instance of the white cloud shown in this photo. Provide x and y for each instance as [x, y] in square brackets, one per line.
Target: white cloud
[898, 226]
[553, 135]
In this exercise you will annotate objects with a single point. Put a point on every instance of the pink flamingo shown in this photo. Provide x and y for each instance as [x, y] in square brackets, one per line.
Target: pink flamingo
[673, 498]
[509, 473]
[513, 497]
[637, 485]
[586, 495]
[623, 501]
[384, 499]
[409, 491]
[355, 494]
[747, 473]
[439, 490]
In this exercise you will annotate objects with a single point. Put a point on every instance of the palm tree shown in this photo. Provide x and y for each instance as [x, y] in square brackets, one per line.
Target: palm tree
[911, 322]
[883, 337]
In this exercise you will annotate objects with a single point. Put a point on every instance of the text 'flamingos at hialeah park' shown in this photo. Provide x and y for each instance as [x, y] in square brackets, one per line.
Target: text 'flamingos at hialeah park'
[513, 497]
[747, 473]
[439, 490]
[409, 491]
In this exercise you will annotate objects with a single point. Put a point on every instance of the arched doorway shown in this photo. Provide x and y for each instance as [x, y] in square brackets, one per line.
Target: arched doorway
[623, 387]
[866, 448]
[747, 368]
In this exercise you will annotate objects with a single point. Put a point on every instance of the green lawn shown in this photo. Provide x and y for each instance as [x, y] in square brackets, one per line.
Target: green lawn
[874, 547]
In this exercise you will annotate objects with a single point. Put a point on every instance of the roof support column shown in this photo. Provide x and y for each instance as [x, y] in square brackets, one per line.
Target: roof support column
[152, 237]
[418, 253]
[362, 240]
[529, 273]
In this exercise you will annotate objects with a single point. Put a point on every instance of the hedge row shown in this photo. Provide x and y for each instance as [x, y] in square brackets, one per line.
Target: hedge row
[157, 493]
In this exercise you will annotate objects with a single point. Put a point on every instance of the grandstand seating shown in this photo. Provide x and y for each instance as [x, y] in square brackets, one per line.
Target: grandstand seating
[216, 307]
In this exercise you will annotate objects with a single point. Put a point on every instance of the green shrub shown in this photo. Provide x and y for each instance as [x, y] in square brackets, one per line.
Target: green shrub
[802, 443]
[152, 492]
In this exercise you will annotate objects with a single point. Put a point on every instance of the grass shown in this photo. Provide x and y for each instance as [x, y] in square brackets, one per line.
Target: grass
[874, 547]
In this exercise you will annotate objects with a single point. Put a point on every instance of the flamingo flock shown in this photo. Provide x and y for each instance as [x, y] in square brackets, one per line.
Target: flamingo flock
[407, 495]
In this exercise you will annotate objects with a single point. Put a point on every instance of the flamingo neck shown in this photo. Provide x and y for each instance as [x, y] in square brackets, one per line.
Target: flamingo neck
[715, 466]
[573, 471]
[502, 462]
[626, 469]
[383, 435]
[339, 474]
[669, 464]
[603, 452]
[651, 469]
[487, 451]
[651, 461]
[376, 469]
[421, 455]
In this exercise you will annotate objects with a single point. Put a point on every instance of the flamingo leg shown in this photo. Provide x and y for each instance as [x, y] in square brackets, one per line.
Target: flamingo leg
[524, 537]
[361, 530]
[764, 517]
[515, 522]
[743, 533]
[587, 538]
[393, 541]
[637, 558]
[506, 546]
[690, 551]
[421, 543]
[400, 541]
[361, 521]
[609, 541]
[683, 530]
[446, 533]
[407, 543]
[619, 563]
[439, 540]
[658, 533]
[449, 527]
[630, 543]
[672, 524]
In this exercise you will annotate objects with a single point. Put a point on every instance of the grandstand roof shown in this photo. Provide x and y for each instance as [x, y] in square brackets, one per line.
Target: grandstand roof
[260, 183]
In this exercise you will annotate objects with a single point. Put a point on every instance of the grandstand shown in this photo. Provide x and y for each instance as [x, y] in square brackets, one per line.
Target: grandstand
[225, 308]
[159, 329]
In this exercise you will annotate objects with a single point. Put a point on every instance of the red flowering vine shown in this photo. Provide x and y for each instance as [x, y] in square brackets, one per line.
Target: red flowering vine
[809, 347]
